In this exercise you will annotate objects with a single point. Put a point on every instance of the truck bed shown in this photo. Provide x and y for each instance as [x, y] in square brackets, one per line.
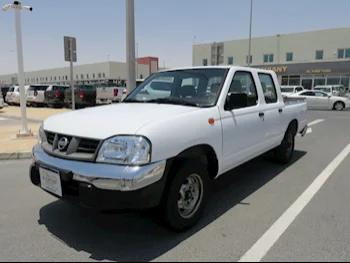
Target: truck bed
[292, 101]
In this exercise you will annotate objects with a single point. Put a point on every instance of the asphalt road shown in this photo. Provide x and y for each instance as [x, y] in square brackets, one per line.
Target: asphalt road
[245, 204]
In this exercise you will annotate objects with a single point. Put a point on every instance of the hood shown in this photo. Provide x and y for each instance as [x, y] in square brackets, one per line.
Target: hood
[106, 121]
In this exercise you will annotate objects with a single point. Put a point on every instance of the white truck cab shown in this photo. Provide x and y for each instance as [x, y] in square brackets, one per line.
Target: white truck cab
[290, 90]
[162, 150]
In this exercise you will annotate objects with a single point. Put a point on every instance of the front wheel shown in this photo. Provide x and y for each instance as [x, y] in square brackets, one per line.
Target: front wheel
[187, 196]
[284, 152]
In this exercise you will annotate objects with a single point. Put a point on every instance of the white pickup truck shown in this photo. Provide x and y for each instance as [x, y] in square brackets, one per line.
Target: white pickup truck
[108, 95]
[162, 152]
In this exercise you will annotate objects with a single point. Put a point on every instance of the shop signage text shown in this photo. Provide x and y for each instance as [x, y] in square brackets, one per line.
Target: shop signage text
[278, 69]
[318, 71]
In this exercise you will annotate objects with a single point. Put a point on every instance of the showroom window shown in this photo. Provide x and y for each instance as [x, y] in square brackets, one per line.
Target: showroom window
[289, 56]
[230, 61]
[343, 53]
[319, 54]
[205, 62]
[268, 58]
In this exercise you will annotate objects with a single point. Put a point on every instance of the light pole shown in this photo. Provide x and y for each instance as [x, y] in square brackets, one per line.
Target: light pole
[137, 60]
[250, 32]
[17, 6]
[194, 40]
[130, 45]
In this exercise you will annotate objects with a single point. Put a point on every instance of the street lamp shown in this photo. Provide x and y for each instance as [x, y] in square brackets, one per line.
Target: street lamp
[250, 32]
[17, 6]
[137, 60]
[130, 45]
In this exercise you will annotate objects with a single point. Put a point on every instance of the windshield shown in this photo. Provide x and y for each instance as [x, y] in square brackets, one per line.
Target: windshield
[11, 89]
[324, 89]
[191, 87]
[289, 90]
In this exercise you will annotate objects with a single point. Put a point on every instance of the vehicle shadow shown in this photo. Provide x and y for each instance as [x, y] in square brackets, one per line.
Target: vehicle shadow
[132, 237]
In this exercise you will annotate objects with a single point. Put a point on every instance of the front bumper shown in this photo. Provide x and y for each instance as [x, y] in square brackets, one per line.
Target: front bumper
[303, 132]
[104, 186]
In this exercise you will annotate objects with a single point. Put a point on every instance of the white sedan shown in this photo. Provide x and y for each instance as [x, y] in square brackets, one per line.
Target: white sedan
[319, 100]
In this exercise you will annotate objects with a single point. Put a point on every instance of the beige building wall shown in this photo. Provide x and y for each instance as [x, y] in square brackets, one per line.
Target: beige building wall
[302, 45]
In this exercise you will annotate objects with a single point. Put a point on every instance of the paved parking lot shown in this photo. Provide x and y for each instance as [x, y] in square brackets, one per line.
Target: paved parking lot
[249, 214]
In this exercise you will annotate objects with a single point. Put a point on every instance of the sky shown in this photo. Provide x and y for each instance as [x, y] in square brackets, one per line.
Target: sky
[163, 28]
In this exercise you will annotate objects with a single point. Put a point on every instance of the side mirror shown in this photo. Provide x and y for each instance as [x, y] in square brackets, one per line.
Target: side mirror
[236, 101]
[329, 96]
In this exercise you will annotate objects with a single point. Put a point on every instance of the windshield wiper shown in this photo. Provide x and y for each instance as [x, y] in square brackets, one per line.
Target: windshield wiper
[176, 101]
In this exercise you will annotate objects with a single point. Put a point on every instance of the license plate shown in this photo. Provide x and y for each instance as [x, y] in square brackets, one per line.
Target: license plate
[51, 181]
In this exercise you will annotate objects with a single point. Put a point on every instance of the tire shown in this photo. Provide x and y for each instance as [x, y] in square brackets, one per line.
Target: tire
[179, 219]
[285, 151]
[339, 106]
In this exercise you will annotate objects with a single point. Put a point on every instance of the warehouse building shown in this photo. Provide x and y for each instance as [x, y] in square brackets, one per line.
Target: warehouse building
[112, 72]
[310, 58]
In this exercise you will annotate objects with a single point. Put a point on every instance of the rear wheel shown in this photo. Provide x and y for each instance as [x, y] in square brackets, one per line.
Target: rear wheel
[186, 196]
[284, 152]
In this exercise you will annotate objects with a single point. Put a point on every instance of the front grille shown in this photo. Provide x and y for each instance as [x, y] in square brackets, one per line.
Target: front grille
[88, 146]
[71, 147]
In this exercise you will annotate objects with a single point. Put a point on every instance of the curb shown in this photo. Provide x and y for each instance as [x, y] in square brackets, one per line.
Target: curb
[16, 155]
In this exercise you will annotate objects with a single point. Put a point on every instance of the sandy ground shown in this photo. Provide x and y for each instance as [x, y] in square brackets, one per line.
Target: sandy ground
[7, 132]
[32, 113]
[8, 144]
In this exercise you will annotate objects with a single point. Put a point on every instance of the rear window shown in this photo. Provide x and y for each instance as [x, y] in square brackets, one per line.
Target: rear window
[287, 89]
[86, 87]
[60, 88]
[269, 88]
[324, 89]
[38, 88]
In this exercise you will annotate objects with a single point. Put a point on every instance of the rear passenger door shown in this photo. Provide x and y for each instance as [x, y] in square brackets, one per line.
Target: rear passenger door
[273, 110]
[243, 128]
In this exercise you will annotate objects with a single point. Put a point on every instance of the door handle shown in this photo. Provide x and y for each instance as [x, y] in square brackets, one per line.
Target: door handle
[261, 114]
[280, 110]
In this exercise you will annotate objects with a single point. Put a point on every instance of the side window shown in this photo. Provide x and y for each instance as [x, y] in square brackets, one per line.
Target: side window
[299, 89]
[320, 94]
[308, 93]
[243, 82]
[268, 87]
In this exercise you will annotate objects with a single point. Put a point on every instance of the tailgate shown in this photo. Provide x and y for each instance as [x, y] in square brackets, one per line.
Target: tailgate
[106, 93]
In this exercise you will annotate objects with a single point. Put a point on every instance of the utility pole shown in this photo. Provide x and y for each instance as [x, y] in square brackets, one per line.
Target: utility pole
[17, 6]
[130, 45]
[250, 32]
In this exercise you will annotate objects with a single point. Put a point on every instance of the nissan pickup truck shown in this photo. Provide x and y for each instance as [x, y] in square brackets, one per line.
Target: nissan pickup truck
[162, 150]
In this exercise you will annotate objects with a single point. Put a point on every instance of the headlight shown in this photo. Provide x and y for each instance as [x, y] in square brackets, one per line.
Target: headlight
[41, 134]
[132, 150]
